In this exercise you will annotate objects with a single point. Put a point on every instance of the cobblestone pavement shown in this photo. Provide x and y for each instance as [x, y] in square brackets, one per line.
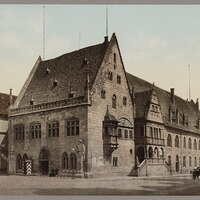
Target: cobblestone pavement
[43, 185]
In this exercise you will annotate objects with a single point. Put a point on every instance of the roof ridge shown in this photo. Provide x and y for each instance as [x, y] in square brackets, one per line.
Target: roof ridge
[71, 52]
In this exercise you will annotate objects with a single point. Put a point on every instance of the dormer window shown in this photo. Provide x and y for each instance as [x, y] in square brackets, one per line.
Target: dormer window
[72, 94]
[186, 120]
[55, 82]
[31, 102]
[84, 62]
[47, 71]
[173, 116]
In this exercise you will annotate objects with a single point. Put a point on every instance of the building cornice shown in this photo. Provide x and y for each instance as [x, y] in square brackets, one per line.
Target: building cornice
[49, 106]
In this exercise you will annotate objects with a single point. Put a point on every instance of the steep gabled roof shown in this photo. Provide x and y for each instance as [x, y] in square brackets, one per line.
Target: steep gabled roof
[69, 70]
[4, 103]
[139, 85]
[143, 88]
[142, 100]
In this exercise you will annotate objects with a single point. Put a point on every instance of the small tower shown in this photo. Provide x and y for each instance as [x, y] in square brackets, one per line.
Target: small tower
[10, 98]
[87, 88]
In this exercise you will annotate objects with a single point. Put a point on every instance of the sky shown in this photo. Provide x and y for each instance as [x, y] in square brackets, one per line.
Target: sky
[157, 42]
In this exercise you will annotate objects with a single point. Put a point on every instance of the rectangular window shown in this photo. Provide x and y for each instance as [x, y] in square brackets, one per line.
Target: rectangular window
[53, 129]
[120, 133]
[118, 79]
[131, 134]
[126, 134]
[19, 132]
[72, 127]
[124, 101]
[115, 161]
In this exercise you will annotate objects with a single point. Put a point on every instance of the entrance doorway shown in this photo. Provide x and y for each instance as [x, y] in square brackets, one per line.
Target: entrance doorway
[140, 154]
[44, 162]
[177, 163]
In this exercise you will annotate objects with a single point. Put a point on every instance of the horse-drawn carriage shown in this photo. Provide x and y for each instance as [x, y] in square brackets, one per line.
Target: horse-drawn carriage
[196, 173]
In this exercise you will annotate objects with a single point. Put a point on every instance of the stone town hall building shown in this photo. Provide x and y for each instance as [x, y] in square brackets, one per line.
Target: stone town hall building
[81, 112]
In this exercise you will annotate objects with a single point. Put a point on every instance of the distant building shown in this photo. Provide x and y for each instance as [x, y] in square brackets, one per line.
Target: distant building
[4, 104]
[167, 130]
[81, 112]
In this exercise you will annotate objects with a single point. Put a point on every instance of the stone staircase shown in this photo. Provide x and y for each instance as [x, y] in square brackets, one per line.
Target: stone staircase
[151, 167]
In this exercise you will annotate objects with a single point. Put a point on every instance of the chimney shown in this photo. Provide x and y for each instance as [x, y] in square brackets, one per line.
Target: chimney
[172, 94]
[197, 104]
[170, 114]
[106, 40]
[10, 98]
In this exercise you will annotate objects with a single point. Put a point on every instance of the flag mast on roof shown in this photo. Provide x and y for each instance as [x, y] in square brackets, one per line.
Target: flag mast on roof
[43, 32]
[189, 85]
[107, 21]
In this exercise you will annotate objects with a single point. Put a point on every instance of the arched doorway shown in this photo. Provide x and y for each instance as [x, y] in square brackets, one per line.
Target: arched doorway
[44, 162]
[177, 163]
[18, 163]
[150, 152]
[156, 152]
[140, 154]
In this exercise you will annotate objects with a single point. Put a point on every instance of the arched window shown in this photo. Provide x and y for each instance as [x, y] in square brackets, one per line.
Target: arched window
[162, 153]
[103, 94]
[184, 143]
[110, 76]
[169, 140]
[184, 161]
[190, 161]
[19, 132]
[73, 161]
[160, 133]
[156, 152]
[177, 141]
[189, 143]
[65, 163]
[150, 152]
[114, 101]
[169, 160]
[195, 144]
[195, 161]
[151, 131]
[18, 162]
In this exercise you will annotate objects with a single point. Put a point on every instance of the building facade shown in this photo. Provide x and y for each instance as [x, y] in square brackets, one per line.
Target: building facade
[78, 98]
[5, 100]
[167, 130]
[83, 113]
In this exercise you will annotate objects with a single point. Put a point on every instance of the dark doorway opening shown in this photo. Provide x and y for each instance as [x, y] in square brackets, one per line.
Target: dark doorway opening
[140, 154]
[44, 162]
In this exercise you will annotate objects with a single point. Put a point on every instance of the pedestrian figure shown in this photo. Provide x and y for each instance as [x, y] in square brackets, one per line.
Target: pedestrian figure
[194, 174]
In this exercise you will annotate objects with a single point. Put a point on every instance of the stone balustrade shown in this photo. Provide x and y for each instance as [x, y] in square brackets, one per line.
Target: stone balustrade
[47, 106]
